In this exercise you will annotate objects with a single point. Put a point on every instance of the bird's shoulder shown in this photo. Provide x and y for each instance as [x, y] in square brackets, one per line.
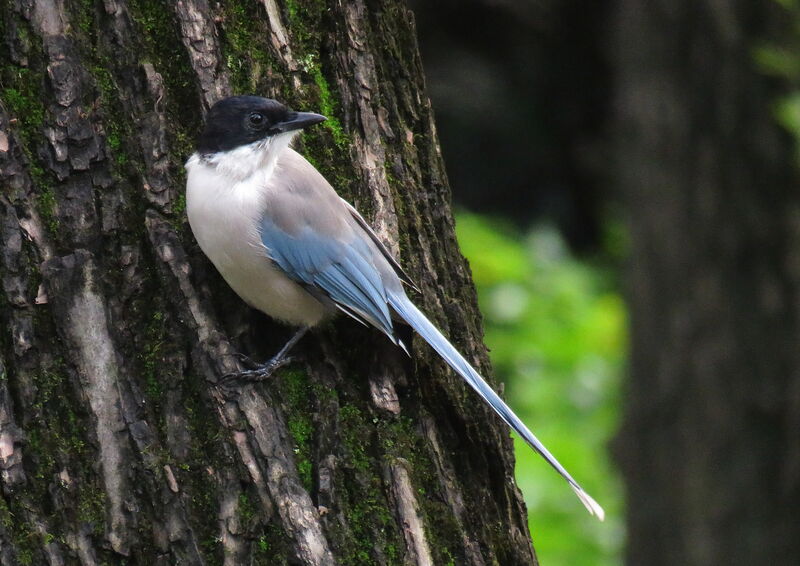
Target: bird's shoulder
[297, 197]
[295, 174]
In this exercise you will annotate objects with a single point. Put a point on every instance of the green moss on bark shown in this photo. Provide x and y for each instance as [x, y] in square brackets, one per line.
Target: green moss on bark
[163, 48]
[371, 526]
[297, 394]
[21, 93]
[26, 543]
[205, 454]
[245, 46]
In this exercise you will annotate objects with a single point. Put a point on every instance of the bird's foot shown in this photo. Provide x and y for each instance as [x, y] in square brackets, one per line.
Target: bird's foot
[259, 372]
[256, 373]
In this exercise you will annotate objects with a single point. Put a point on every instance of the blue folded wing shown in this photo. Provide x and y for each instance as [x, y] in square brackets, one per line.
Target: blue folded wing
[342, 271]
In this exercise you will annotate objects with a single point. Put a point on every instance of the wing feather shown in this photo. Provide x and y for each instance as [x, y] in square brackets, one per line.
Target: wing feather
[342, 269]
[404, 277]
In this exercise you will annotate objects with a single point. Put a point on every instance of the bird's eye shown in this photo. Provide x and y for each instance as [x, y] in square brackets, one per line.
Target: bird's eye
[256, 119]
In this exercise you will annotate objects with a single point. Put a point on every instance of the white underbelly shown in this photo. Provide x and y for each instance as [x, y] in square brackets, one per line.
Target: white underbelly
[263, 286]
[224, 222]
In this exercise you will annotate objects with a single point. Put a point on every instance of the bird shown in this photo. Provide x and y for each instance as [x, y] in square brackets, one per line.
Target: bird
[291, 247]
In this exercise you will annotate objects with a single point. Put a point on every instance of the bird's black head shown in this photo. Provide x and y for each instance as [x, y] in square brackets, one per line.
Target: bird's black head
[241, 120]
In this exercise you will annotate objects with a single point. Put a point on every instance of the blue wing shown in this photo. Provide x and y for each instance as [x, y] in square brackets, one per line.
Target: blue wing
[340, 271]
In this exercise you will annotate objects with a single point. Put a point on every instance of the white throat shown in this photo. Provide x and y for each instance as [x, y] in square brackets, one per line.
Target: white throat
[258, 158]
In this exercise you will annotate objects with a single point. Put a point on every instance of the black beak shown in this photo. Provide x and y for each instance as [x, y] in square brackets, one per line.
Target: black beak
[297, 121]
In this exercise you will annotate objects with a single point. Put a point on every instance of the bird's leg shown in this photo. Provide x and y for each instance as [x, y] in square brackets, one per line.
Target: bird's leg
[263, 371]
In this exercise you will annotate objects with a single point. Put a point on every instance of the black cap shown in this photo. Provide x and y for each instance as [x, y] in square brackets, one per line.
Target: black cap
[241, 120]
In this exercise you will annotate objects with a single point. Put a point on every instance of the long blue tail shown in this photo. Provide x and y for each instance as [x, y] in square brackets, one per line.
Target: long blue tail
[419, 322]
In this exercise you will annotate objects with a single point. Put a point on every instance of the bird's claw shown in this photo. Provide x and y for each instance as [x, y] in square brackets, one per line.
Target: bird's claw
[258, 373]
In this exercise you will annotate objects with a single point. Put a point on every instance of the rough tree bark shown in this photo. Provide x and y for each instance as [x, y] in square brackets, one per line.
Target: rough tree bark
[115, 445]
[710, 446]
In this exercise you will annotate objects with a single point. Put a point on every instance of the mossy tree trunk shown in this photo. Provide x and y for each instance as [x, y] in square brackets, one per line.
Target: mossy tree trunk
[115, 444]
[710, 446]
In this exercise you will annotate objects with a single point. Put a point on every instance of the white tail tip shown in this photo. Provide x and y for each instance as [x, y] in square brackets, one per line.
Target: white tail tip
[591, 505]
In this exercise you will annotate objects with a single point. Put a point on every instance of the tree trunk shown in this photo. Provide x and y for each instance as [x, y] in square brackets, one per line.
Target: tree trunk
[710, 445]
[116, 446]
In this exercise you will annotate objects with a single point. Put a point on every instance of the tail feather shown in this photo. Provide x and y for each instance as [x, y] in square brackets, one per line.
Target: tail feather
[419, 322]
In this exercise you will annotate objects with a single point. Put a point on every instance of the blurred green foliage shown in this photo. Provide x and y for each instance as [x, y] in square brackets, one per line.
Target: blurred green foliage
[556, 327]
[779, 58]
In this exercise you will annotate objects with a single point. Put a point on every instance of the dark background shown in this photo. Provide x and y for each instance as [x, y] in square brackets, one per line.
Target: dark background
[522, 94]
